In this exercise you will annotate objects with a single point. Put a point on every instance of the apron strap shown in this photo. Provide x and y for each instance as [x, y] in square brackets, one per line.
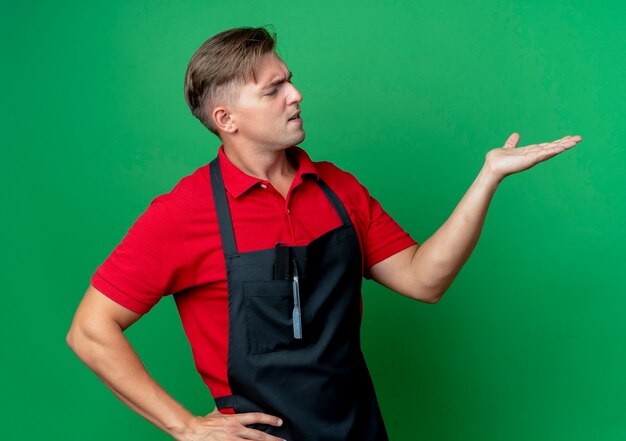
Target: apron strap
[223, 213]
[334, 199]
[225, 402]
[237, 402]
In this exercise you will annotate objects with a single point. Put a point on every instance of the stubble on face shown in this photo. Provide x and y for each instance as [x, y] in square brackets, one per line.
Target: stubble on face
[263, 109]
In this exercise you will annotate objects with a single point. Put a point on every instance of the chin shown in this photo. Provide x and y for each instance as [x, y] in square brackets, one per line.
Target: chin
[293, 141]
[300, 138]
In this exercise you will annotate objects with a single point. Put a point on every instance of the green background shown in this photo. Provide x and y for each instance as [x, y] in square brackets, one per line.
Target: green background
[529, 343]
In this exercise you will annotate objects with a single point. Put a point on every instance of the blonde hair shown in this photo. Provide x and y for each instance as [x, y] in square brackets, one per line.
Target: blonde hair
[222, 62]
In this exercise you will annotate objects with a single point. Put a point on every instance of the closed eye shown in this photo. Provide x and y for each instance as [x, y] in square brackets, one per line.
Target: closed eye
[273, 87]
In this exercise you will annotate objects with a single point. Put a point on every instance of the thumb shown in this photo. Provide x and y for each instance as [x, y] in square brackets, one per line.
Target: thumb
[511, 143]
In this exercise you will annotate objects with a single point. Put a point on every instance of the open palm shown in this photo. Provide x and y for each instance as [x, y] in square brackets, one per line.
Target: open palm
[510, 159]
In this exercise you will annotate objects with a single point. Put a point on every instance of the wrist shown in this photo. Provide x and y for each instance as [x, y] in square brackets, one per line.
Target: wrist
[490, 177]
[184, 429]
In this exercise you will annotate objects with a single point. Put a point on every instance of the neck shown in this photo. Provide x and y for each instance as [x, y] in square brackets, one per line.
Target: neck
[263, 164]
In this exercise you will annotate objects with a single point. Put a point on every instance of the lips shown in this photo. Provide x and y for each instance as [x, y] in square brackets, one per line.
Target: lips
[295, 117]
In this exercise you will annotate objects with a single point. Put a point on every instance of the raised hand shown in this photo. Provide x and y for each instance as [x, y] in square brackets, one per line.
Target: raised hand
[509, 159]
[217, 426]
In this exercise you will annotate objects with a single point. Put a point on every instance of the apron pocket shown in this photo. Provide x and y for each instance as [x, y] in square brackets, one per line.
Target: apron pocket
[268, 309]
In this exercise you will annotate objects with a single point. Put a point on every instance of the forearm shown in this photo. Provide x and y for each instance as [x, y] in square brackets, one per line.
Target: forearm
[105, 350]
[439, 259]
[425, 272]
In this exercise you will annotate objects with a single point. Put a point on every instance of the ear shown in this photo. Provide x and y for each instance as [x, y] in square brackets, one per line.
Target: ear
[223, 120]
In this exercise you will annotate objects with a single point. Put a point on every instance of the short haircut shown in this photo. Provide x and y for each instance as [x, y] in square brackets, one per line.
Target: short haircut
[221, 63]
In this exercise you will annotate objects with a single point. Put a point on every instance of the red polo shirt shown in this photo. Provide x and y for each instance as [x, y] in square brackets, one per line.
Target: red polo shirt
[174, 247]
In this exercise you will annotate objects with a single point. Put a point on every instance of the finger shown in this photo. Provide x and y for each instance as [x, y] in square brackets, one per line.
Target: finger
[247, 433]
[512, 141]
[551, 149]
[566, 139]
[576, 138]
[563, 143]
[258, 418]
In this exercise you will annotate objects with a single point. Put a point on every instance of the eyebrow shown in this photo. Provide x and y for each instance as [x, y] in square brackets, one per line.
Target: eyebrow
[279, 80]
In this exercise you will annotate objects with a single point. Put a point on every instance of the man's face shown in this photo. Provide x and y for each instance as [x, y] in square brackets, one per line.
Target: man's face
[267, 113]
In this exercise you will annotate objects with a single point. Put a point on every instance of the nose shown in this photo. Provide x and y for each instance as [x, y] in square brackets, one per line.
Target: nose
[294, 95]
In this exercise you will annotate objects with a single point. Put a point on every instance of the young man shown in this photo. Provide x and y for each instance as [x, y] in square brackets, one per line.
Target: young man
[264, 251]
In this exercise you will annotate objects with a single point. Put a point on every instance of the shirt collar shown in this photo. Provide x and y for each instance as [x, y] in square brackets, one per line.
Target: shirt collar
[237, 182]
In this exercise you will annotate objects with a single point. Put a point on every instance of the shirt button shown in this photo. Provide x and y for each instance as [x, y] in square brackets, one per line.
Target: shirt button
[263, 186]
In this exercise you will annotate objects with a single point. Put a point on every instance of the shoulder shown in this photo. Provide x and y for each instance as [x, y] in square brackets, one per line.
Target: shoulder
[190, 199]
[354, 196]
[329, 171]
[343, 182]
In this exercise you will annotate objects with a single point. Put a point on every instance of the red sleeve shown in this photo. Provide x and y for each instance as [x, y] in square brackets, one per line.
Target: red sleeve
[384, 237]
[380, 236]
[149, 262]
